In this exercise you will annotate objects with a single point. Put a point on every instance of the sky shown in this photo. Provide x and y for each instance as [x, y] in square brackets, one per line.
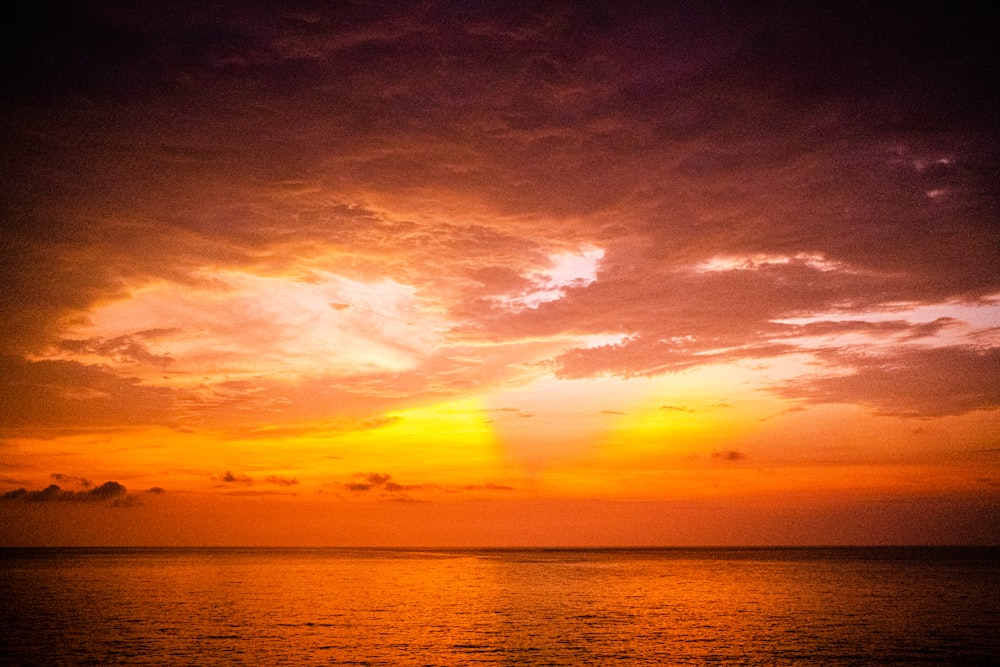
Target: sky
[498, 274]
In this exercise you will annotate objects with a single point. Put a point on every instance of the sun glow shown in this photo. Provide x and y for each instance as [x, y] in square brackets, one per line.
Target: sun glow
[449, 441]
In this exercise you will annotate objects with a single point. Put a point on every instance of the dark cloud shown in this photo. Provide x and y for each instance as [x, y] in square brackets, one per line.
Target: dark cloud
[487, 487]
[357, 486]
[913, 382]
[109, 491]
[380, 482]
[377, 479]
[106, 491]
[71, 479]
[281, 481]
[235, 478]
[728, 455]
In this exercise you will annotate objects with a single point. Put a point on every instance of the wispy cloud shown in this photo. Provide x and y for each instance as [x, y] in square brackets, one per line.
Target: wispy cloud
[385, 486]
[122, 349]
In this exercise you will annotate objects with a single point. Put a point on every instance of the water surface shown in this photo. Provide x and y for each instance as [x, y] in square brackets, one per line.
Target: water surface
[500, 607]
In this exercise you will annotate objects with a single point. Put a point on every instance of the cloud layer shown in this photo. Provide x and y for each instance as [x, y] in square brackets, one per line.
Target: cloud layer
[226, 218]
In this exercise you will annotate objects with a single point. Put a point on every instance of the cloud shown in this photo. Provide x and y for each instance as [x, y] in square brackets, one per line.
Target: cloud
[105, 491]
[316, 429]
[413, 182]
[517, 412]
[61, 394]
[109, 491]
[642, 356]
[229, 397]
[280, 481]
[392, 490]
[379, 482]
[71, 479]
[234, 478]
[728, 455]
[907, 330]
[913, 382]
[357, 486]
[233, 481]
[122, 349]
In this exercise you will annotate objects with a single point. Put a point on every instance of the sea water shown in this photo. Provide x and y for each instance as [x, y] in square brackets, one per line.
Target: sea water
[837, 606]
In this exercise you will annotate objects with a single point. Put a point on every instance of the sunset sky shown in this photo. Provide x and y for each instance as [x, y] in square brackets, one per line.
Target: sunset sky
[462, 273]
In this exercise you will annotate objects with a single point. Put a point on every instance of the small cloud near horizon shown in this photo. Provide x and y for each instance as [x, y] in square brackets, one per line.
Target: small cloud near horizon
[109, 491]
[728, 455]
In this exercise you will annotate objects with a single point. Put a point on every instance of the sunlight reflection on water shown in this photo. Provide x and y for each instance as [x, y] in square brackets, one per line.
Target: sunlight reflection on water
[500, 607]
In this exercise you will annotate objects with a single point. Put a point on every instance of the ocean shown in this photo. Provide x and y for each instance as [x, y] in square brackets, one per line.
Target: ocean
[267, 606]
